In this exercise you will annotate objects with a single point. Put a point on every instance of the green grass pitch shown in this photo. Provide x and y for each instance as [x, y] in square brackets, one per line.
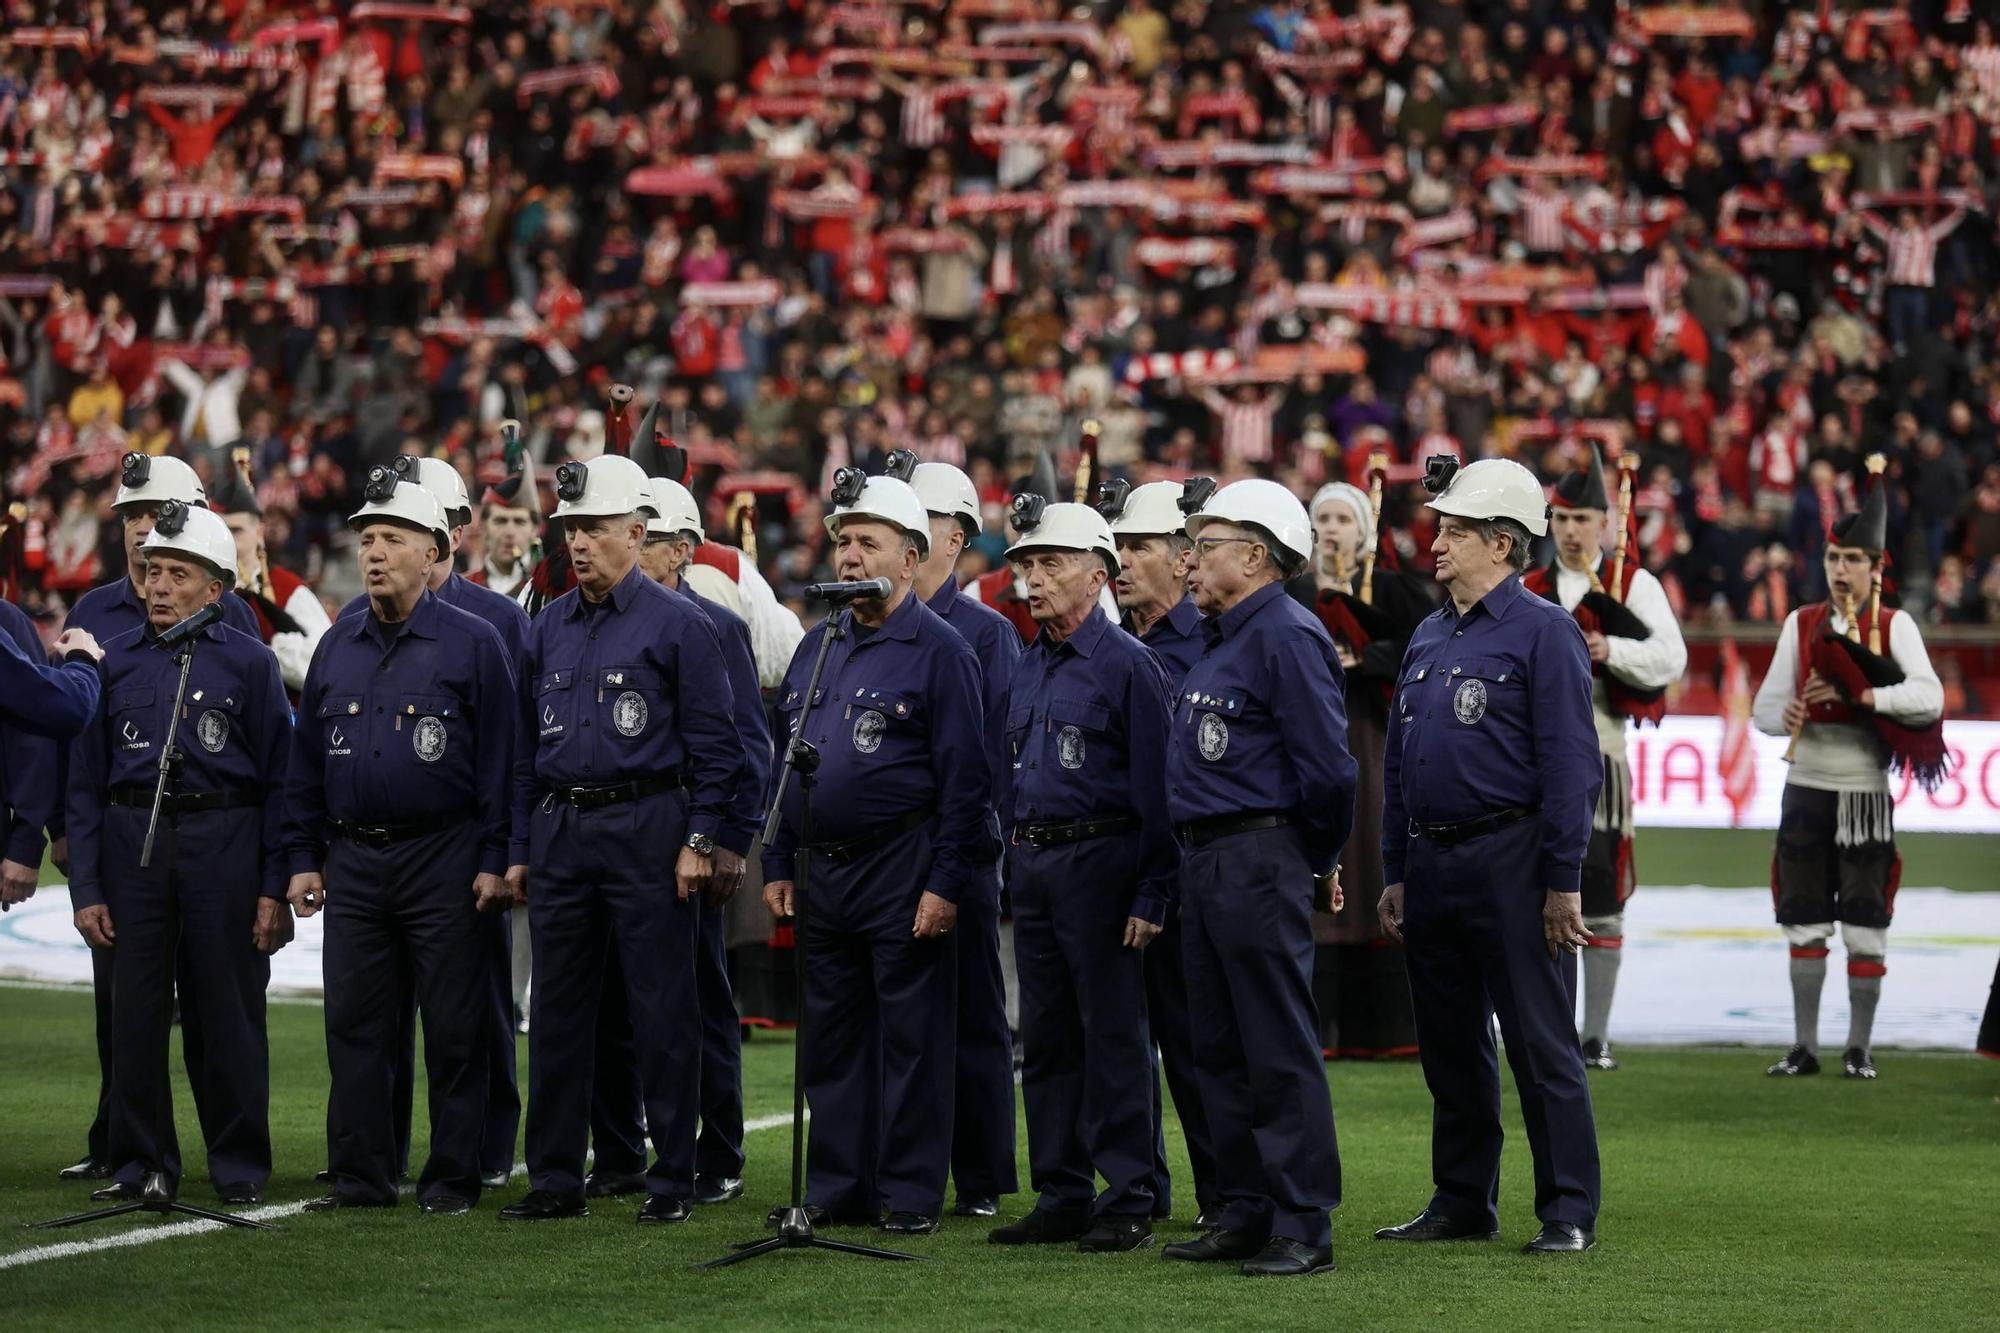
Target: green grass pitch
[1731, 1202]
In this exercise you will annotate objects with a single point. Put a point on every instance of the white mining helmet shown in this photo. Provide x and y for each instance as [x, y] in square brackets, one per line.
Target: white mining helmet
[1262, 504]
[391, 499]
[1064, 527]
[145, 479]
[943, 489]
[608, 486]
[441, 479]
[192, 530]
[1152, 510]
[673, 511]
[887, 500]
[1496, 488]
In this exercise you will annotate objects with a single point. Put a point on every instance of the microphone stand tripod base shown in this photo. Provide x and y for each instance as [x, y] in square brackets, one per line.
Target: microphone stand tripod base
[155, 1196]
[795, 1232]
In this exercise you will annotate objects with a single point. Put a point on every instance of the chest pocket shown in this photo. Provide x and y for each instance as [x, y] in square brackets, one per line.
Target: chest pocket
[1410, 687]
[792, 705]
[555, 695]
[873, 715]
[431, 721]
[1212, 715]
[1019, 720]
[1076, 723]
[340, 722]
[1477, 685]
[130, 714]
[630, 696]
[213, 718]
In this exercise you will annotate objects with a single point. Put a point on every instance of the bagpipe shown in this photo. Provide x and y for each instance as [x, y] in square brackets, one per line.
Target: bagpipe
[1352, 617]
[1851, 667]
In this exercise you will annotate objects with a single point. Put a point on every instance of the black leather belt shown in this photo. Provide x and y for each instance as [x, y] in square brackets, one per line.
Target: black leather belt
[872, 839]
[185, 802]
[1199, 832]
[617, 793]
[1465, 830]
[387, 835]
[1061, 832]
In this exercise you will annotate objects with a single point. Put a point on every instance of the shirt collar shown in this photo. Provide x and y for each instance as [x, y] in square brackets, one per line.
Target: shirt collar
[422, 620]
[941, 600]
[622, 593]
[1494, 603]
[902, 622]
[1085, 638]
[1231, 622]
[1185, 617]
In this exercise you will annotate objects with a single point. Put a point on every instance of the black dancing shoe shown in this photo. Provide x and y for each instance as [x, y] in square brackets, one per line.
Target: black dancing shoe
[1597, 1055]
[976, 1205]
[445, 1205]
[1041, 1227]
[542, 1206]
[1289, 1258]
[909, 1224]
[1857, 1063]
[610, 1184]
[661, 1209]
[90, 1168]
[1115, 1235]
[1560, 1238]
[1216, 1247]
[1433, 1225]
[1798, 1062]
[712, 1190]
[239, 1194]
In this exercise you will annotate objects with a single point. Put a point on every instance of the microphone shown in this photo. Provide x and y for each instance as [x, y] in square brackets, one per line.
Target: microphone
[858, 590]
[193, 625]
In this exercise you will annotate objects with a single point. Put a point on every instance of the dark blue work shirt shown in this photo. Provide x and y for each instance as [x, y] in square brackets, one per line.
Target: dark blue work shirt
[235, 729]
[115, 608]
[415, 722]
[1087, 727]
[1175, 639]
[898, 727]
[504, 614]
[30, 765]
[997, 644]
[1260, 725]
[740, 663]
[1492, 710]
[629, 688]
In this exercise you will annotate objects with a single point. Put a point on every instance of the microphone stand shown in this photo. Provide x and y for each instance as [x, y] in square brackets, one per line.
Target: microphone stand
[156, 1193]
[795, 1228]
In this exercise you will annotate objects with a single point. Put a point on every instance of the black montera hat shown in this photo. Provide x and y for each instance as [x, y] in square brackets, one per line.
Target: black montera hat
[1584, 490]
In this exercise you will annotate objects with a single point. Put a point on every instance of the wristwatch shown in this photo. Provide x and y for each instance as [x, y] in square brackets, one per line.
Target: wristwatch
[702, 844]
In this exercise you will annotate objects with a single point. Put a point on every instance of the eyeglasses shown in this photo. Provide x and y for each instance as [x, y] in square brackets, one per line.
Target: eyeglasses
[1203, 545]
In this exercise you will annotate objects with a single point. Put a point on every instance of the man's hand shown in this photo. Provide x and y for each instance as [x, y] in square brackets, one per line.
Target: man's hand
[59, 853]
[94, 924]
[778, 897]
[1389, 911]
[1139, 932]
[273, 928]
[517, 884]
[1562, 922]
[17, 883]
[1328, 896]
[306, 893]
[490, 893]
[76, 641]
[728, 876]
[1600, 647]
[693, 872]
[935, 917]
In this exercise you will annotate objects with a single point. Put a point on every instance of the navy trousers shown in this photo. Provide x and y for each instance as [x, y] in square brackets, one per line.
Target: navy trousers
[1087, 1058]
[601, 882]
[401, 923]
[617, 1130]
[503, 1092]
[1173, 1033]
[983, 1137]
[1472, 920]
[880, 1028]
[1246, 917]
[191, 915]
[98, 1140]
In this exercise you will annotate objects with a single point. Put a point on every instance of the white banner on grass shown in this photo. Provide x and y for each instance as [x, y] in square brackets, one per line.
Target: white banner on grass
[1677, 780]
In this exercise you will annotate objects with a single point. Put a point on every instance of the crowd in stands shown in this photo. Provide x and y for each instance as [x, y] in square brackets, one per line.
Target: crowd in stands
[1748, 244]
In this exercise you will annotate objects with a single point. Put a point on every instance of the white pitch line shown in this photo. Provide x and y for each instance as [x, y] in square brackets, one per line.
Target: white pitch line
[269, 1213]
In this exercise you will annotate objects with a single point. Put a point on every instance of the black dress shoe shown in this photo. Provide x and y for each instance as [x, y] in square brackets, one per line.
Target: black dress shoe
[976, 1205]
[909, 1224]
[609, 1184]
[494, 1180]
[1857, 1063]
[819, 1217]
[1208, 1220]
[1798, 1062]
[90, 1168]
[1597, 1055]
[1560, 1238]
[240, 1194]
[122, 1192]
[711, 1190]
[446, 1205]
[324, 1177]
[1041, 1227]
[335, 1202]
[1216, 1247]
[542, 1206]
[1289, 1258]
[661, 1209]
[1433, 1225]
[1115, 1235]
